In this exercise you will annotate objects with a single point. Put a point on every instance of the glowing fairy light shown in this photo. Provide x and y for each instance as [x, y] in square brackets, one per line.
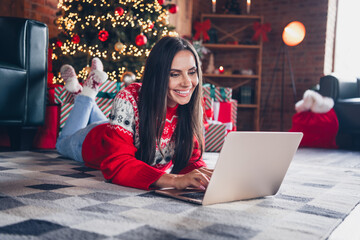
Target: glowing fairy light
[136, 15]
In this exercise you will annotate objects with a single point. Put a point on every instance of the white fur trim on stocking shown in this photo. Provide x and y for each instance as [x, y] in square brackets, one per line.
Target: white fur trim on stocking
[72, 85]
[315, 102]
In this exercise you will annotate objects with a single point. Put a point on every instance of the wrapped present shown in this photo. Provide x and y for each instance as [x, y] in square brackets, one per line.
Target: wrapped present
[218, 94]
[104, 98]
[64, 113]
[226, 112]
[62, 96]
[106, 94]
[208, 108]
[47, 134]
[234, 107]
[215, 136]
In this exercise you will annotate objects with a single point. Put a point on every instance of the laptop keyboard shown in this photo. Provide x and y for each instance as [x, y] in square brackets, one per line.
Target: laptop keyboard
[194, 195]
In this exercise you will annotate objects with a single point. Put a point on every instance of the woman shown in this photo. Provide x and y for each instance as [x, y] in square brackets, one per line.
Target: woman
[152, 126]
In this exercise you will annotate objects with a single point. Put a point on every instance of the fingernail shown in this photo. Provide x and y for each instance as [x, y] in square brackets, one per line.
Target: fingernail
[202, 187]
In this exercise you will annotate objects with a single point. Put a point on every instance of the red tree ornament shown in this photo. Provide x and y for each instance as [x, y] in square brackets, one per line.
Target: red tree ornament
[75, 39]
[161, 2]
[173, 8]
[103, 35]
[140, 40]
[151, 25]
[59, 43]
[119, 11]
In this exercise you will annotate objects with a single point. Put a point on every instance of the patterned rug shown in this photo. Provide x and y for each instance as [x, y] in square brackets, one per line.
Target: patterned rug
[44, 196]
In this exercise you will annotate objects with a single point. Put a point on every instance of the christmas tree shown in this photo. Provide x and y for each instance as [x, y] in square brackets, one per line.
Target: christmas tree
[120, 32]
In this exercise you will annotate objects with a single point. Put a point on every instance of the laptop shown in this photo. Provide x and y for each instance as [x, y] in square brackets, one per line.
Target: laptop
[250, 165]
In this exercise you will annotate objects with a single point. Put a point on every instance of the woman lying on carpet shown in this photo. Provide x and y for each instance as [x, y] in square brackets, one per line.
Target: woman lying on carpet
[152, 126]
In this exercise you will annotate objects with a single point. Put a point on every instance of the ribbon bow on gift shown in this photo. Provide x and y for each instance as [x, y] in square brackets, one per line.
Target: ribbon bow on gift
[110, 95]
[212, 92]
[202, 28]
[261, 30]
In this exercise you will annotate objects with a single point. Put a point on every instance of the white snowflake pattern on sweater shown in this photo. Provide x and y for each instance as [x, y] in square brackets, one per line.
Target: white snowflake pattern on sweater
[124, 117]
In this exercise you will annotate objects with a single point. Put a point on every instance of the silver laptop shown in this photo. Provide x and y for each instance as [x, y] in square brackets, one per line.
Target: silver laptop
[250, 165]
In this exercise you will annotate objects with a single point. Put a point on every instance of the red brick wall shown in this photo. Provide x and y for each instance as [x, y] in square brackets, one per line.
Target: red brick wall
[307, 59]
[41, 10]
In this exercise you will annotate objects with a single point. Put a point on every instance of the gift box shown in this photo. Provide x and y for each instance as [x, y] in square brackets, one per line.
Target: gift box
[218, 94]
[234, 107]
[107, 92]
[215, 136]
[226, 112]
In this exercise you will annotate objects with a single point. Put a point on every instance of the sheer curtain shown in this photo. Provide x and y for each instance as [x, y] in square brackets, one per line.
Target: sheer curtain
[347, 44]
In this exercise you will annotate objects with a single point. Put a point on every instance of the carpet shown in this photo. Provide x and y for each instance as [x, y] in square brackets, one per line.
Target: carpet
[45, 196]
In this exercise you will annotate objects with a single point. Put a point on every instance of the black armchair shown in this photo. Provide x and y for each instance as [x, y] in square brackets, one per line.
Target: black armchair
[346, 96]
[23, 78]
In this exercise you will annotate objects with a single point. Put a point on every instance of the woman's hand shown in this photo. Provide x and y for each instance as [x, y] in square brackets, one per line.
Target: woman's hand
[198, 178]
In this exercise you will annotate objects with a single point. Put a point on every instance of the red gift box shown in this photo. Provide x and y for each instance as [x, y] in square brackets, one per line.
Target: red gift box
[47, 134]
[226, 112]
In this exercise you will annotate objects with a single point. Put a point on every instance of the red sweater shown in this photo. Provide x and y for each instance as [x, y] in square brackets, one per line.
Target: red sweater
[111, 147]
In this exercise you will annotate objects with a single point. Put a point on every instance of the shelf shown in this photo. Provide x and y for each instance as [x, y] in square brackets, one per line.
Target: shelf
[230, 28]
[237, 76]
[226, 82]
[230, 46]
[231, 16]
[247, 105]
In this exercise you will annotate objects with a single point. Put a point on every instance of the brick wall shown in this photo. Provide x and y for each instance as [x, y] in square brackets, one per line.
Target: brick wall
[307, 59]
[41, 10]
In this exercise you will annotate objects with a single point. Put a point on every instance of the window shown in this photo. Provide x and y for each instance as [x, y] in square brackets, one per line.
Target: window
[347, 43]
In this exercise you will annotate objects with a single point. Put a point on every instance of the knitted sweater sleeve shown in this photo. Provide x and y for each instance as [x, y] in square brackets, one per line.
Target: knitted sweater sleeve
[120, 164]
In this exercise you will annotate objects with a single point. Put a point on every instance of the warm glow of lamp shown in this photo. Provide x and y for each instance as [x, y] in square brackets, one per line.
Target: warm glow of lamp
[294, 33]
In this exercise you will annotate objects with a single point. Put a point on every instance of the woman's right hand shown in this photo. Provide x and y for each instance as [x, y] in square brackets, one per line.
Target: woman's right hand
[198, 178]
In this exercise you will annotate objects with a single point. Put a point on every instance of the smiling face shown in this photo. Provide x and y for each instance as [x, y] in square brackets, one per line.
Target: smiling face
[183, 79]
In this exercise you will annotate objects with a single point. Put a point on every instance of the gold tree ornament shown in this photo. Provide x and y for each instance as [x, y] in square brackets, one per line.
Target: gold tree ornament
[118, 46]
[80, 8]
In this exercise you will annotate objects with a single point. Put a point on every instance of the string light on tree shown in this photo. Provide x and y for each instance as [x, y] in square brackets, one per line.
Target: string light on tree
[109, 30]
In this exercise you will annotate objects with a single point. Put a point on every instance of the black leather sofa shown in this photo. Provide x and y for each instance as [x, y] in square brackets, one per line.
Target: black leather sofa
[23, 78]
[346, 96]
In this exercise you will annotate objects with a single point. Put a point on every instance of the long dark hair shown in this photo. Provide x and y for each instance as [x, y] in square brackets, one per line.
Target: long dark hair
[153, 104]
